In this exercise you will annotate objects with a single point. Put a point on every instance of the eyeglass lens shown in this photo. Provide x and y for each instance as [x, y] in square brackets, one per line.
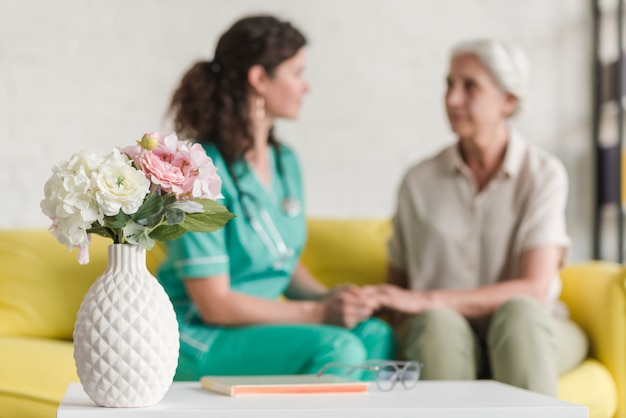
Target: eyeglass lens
[410, 374]
[389, 374]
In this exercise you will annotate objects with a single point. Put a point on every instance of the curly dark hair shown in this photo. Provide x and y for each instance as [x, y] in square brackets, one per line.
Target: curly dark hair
[211, 103]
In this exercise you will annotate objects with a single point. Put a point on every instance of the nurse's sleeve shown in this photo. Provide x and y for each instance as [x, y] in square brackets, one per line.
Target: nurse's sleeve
[199, 254]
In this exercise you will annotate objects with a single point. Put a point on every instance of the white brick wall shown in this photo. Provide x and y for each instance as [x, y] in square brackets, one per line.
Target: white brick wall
[87, 74]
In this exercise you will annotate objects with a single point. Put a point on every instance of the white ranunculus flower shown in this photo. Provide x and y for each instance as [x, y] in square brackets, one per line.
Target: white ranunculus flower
[116, 156]
[120, 186]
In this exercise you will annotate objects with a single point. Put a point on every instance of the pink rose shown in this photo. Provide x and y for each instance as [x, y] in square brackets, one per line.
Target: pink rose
[159, 168]
[180, 167]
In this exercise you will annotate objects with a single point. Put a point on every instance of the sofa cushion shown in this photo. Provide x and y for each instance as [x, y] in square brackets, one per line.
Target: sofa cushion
[340, 251]
[42, 284]
[34, 374]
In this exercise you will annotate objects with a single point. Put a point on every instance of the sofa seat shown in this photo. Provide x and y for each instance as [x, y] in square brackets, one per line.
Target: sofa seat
[590, 384]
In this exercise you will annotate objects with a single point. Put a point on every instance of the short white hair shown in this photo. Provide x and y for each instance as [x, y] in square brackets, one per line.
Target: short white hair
[507, 63]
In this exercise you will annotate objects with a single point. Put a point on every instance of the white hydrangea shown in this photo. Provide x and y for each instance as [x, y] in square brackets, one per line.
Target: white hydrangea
[69, 199]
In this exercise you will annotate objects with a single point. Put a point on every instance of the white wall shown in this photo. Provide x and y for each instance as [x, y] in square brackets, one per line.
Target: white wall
[86, 74]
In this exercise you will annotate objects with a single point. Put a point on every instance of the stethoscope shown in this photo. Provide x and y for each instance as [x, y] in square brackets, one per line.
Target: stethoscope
[270, 236]
[290, 204]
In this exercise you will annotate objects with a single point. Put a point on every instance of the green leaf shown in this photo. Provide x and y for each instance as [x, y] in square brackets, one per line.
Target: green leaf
[206, 222]
[100, 230]
[168, 232]
[214, 217]
[189, 206]
[211, 206]
[153, 205]
[174, 215]
[169, 199]
[116, 222]
[151, 221]
[138, 235]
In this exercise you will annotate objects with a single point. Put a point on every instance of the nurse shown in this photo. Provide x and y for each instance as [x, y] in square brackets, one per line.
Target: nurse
[227, 286]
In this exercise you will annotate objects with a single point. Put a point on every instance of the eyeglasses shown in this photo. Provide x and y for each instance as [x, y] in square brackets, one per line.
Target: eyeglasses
[388, 373]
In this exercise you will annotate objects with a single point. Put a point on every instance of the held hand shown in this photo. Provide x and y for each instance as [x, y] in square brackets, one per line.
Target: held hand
[348, 305]
[402, 301]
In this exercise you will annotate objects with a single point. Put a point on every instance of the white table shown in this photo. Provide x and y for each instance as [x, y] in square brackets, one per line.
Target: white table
[429, 399]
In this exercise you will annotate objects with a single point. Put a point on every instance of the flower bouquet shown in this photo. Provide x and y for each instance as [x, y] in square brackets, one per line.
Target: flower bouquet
[126, 338]
[155, 190]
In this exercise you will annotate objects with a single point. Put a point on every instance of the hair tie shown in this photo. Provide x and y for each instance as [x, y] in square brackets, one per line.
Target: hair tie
[215, 66]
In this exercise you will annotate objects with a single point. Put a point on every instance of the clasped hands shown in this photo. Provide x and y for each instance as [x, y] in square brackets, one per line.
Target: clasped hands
[348, 305]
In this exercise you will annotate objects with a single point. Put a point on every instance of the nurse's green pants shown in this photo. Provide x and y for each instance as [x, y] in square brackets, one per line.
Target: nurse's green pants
[288, 349]
[523, 346]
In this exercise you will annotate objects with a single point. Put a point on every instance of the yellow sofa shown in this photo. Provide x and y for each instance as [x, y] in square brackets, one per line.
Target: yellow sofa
[42, 285]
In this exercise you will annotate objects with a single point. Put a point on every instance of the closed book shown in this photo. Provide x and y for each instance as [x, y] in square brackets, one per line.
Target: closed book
[282, 384]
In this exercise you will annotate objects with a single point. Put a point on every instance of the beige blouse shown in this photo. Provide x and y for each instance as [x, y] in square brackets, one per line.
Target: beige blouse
[447, 235]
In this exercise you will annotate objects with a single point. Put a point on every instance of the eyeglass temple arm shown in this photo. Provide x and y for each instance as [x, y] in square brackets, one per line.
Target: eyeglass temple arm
[401, 365]
[345, 366]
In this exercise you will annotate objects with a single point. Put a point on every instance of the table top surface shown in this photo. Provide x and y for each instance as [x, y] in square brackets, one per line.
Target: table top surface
[432, 399]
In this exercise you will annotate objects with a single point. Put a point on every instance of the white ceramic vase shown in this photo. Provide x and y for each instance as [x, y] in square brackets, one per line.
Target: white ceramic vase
[126, 335]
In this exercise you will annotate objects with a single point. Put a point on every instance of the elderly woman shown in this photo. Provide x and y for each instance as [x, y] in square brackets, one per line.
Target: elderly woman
[479, 236]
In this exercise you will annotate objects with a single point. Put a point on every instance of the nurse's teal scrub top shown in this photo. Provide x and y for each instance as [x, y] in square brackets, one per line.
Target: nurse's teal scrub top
[260, 262]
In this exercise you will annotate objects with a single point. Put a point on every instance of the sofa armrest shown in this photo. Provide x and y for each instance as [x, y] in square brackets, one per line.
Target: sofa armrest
[595, 295]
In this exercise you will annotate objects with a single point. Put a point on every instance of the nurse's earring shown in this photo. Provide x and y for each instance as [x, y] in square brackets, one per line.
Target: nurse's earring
[259, 108]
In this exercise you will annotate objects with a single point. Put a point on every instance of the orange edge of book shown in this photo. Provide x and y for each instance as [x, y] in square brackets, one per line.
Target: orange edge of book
[268, 390]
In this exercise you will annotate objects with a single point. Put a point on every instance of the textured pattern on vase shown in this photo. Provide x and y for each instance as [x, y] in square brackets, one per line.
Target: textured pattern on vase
[126, 337]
